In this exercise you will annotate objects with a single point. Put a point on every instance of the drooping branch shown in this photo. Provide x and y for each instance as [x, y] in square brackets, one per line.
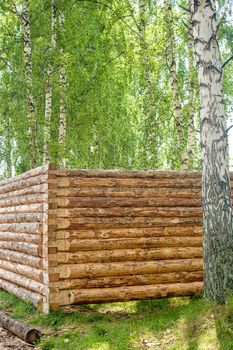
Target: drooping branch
[227, 61]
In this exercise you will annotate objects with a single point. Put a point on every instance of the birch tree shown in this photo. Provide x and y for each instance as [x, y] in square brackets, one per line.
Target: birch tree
[62, 110]
[25, 19]
[48, 92]
[216, 190]
[171, 62]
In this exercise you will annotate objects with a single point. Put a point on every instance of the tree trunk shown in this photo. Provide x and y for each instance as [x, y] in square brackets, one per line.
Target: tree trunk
[171, 61]
[27, 51]
[216, 192]
[48, 93]
[62, 119]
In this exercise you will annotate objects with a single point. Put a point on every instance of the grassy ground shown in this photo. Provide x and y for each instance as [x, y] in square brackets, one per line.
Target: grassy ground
[169, 324]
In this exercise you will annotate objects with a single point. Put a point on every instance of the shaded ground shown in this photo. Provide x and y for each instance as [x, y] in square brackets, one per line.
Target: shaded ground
[169, 324]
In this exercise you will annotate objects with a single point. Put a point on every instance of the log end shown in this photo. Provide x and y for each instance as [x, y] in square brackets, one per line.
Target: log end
[32, 336]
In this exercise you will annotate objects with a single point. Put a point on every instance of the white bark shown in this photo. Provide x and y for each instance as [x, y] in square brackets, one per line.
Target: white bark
[62, 119]
[171, 61]
[216, 191]
[191, 99]
[27, 51]
[48, 92]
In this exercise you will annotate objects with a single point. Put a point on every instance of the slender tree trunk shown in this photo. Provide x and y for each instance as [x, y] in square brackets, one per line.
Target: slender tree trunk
[27, 51]
[171, 61]
[48, 93]
[191, 98]
[146, 86]
[8, 153]
[62, 119]
[216, 191]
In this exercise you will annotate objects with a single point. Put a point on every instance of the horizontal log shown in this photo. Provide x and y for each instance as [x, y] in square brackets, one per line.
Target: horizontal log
[129, 268]
[20, 237]
[25, 227]
[133, 292]
[21, 217]
[34, 191]
[23, 247]
[156, 174]
[107, 282]
[102, 202]
[109, 192]
[23, 270]
[71, 245]
[130, 212]
[21, 292]
[23, 281]
[131, 232]
[17, 185]
[29, 208]
[105, 256]
[106, 223]
[29, 174]
[21, 258]
[126, 182]
[22, 330]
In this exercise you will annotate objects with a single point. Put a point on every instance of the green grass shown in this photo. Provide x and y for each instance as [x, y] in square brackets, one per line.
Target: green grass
[169, 324]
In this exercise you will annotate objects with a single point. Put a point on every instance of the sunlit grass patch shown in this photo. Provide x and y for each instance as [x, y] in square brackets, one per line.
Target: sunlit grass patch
[166, 324]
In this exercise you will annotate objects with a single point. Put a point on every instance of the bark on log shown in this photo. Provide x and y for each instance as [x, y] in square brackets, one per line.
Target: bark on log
[22, 247]
[21, 258]
[17, 185]
[103, 202]
[132, 292]
[28, 208]
[20, 237]
[129, 255]
[138, 280]
[21, 217]
[160, 193]
[156, 174]
[134, 182]
[108, 223]
[23, 270]
[129, 268]
[20, 292]
[36, 191]
[25, 227]
[29, 174]
[132, 232]
[128, 243]
[22, 330]
[130, 212]
[23, 281]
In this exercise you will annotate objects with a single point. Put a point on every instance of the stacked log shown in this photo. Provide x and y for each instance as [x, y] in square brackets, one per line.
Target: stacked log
[126, 235]
[23, 220]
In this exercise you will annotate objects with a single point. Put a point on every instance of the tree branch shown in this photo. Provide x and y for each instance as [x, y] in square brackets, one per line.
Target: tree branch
[227, 61]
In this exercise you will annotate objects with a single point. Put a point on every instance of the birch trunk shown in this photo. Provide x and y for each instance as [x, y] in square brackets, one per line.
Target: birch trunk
[27, 51]
[62, 119]
[171, 61]
[216, 192]
[191, 99]
[149, 134]
[48, 93]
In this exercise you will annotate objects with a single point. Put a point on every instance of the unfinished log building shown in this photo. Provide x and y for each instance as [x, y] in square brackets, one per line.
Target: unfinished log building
[83, 236]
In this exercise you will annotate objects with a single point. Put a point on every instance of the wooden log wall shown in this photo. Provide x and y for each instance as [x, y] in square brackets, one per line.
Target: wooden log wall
[124, 235]
[24, 236]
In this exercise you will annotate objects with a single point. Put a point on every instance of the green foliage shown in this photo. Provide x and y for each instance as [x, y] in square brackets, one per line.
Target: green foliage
[120, 108]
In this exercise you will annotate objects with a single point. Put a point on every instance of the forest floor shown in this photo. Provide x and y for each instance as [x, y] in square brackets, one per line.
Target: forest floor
[169, 324]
